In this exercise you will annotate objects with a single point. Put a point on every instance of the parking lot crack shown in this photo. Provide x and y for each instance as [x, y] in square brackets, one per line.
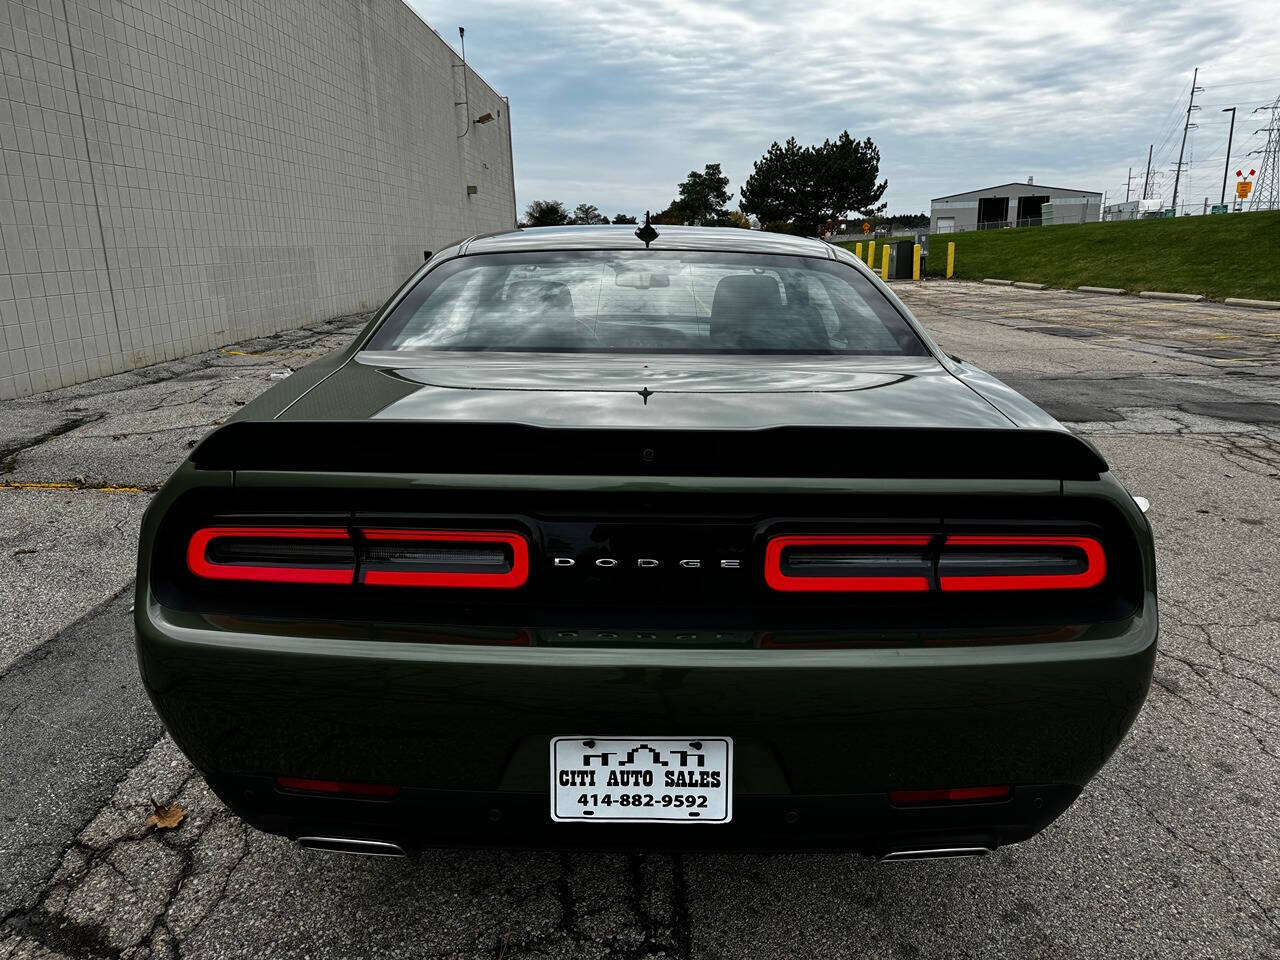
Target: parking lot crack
[1263, 911]
[9, 455]
[565, 897]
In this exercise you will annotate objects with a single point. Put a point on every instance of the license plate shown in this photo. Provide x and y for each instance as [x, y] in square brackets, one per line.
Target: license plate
[642, 779]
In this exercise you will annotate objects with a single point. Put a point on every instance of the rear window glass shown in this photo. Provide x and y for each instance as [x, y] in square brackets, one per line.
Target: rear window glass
[647, 302]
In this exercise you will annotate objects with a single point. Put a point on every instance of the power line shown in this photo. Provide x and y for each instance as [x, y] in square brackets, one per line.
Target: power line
[1234, 103]
[1240, 83]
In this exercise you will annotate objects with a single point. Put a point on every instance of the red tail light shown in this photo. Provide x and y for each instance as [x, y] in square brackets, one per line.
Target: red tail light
[914, 798]
[273, 554]
[1021, 563]
[839, 562]
[445, 558]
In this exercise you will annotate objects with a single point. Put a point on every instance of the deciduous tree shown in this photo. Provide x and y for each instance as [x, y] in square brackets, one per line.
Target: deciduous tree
[546, 213]
[588, 213]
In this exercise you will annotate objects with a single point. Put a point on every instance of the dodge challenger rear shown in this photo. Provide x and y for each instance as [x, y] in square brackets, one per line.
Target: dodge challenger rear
[693, 543]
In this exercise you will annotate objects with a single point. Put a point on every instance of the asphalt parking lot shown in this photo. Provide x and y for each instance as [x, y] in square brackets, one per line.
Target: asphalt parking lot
[1174, 851]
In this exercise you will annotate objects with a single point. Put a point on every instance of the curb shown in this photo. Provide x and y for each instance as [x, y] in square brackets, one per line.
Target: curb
[1255, 304]
[1178, 297]
[1024, 285]
[997, 283]
[1113, 291]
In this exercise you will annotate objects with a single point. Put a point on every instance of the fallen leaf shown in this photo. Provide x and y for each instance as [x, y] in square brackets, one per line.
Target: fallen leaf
[167, 816]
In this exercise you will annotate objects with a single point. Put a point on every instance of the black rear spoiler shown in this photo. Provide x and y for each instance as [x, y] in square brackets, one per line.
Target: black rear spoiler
[400, 446]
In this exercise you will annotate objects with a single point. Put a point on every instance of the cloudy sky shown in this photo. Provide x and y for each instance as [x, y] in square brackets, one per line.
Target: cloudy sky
[614, 101]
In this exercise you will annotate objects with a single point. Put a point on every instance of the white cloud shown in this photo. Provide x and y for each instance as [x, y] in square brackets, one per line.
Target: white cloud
[615, 101]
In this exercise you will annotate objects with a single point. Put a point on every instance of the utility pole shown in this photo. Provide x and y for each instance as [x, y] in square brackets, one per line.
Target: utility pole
[1227, 166]
[1191, 105]
[1147, 182]
[1127, 181]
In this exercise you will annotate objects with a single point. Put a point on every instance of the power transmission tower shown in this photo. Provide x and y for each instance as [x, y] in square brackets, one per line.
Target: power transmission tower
[1266, 185]
[1191, 105]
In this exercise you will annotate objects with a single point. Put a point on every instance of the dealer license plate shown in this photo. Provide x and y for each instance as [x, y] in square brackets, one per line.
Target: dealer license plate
[642, 779]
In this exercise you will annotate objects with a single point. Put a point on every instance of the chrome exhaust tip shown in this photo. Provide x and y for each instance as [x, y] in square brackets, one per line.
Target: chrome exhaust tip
[349, 845]
[935, 853]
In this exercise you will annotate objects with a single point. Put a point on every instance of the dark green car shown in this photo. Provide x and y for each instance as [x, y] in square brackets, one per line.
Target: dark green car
[700, 543]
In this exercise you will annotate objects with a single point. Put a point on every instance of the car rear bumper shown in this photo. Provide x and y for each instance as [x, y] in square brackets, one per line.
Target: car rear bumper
[868, 823]
[820, 736]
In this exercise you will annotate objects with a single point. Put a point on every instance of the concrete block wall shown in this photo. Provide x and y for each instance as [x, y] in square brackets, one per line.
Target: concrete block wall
[179, 174]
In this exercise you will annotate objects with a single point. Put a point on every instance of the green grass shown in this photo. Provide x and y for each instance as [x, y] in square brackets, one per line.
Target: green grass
[1236, 255]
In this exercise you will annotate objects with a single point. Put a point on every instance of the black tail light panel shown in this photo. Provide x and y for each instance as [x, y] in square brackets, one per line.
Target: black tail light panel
[765, 565]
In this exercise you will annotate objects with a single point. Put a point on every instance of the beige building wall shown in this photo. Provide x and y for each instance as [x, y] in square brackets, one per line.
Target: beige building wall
[180, 174]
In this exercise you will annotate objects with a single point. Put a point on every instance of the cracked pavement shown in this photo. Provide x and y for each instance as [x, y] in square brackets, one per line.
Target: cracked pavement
[1174, 851]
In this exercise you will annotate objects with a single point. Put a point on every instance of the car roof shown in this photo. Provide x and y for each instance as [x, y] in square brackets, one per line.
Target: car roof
[623, 237]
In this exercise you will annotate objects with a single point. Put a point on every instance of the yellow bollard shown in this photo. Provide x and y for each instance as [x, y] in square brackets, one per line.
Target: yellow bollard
[871, 254]
[951, 259]
[884, 263]
[857, 250]
[915, 262]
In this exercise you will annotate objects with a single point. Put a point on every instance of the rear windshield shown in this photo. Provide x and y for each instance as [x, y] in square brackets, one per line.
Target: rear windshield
[647, 302]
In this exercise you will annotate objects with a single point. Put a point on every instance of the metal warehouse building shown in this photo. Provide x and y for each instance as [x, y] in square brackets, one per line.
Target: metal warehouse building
[1012, 205]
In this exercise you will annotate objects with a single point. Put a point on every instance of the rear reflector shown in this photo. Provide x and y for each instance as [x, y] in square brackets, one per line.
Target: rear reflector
[911, 798]
[1021, 563]
[445, 558]
[273, 554]
[841, 563]
[337, 787]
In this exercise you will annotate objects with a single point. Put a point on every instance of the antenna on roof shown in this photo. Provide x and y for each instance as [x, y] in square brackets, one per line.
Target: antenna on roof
[646, 232]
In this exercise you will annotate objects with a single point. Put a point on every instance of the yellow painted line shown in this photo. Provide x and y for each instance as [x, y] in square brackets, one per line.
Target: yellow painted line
[45, 485]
